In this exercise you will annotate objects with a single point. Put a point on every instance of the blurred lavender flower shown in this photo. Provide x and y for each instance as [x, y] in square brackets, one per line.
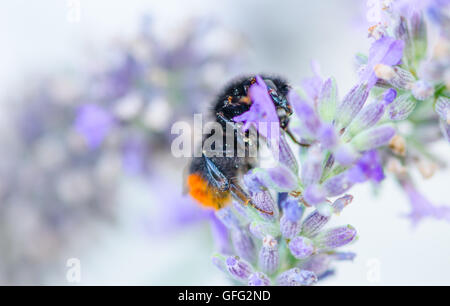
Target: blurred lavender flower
[94, 123]
[421, 79]
[73, 135]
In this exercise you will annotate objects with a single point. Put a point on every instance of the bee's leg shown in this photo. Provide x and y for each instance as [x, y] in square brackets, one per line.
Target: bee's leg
[294, 139]
[244, 198]
[223, 184]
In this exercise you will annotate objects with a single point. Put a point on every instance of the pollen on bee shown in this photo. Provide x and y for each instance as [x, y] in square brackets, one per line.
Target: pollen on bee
[206, 194]
[245, 100]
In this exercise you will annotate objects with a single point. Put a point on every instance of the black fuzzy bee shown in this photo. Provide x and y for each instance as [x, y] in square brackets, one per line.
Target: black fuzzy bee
[212, 180]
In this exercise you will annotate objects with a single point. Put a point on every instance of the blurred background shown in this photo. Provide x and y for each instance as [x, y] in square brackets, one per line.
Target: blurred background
[88, 93]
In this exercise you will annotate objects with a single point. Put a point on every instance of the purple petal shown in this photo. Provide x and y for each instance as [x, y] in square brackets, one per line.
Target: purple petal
[262, 110]
[281, 179]
[310, 122]
[387, 51]
[327, 136]
[368, 168]
[389, 95]
[314, 194]
[345, 154]
[292, 209]
[421, 207]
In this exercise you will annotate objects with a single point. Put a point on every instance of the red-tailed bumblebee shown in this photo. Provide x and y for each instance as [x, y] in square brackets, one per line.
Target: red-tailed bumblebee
[213, 180]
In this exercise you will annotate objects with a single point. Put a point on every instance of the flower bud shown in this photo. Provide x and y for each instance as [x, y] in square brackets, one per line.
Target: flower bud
[401, 108]
[305, 112]
[296, 277]
[280, 178]
[313, 223]
[443, 109]
[258, 279]
[327, 100]
[384, 72]
[422, 90]
[312, 167]
[351, 105]
[368, 117]
[238, 268]
[394, 166]
[334, 238]
[286, 155]
[288, 228]
[445, 129]
[264, 201]
[243, 244]
[342, 202]
[269, 258]
[419, 35]
[219, 261]
[373, 138]
[253, 181]
[301, 247]
[395, 76]
[426, 168]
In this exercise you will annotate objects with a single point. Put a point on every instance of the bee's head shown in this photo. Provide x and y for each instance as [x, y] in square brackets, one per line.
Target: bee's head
[284, 110]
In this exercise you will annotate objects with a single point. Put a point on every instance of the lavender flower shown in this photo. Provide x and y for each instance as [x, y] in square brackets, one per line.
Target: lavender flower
[386, 51]
[297, 277]
[238, 268]
[258, 279]
[94, 123]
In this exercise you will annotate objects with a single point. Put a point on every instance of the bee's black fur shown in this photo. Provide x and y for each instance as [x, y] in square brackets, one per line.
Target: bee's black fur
[237, 89]
[229, 104]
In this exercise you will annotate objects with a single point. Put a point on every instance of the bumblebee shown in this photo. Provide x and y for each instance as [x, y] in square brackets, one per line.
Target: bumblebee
[213, 180]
